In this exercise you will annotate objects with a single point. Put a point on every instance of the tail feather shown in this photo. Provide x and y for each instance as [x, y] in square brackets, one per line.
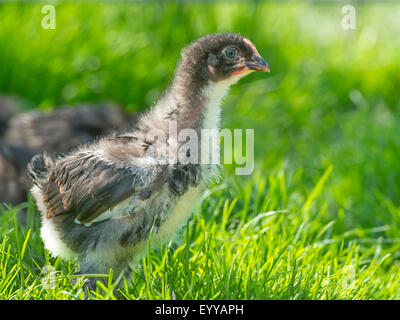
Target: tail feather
[38, 169]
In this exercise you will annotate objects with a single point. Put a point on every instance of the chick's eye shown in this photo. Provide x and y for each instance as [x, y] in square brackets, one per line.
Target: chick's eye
[230, 53]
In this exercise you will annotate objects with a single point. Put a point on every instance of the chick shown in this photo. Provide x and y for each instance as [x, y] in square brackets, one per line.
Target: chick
[100, 202]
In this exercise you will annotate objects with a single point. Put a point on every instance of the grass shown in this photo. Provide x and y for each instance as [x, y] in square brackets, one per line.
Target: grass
[320, 216]
[261, 240]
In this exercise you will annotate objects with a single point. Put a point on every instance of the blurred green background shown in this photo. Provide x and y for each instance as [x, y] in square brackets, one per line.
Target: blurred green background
[332, 97]
[331, 102]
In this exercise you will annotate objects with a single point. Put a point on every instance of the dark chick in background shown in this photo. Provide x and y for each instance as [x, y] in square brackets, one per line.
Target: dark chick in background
[100, 202]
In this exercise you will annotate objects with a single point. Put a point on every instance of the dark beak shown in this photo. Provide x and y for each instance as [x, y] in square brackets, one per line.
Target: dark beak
[257, 63]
